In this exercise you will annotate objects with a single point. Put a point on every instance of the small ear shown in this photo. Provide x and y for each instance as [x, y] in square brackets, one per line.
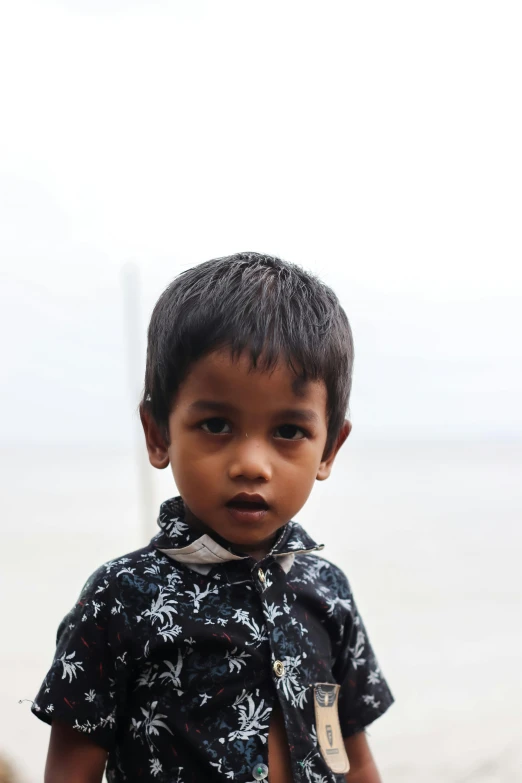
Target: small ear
[156, 446]
[325, 468]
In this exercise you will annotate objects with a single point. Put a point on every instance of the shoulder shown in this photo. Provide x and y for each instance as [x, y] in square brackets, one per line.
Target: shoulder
[129, 579]
[117, 593]
[326, 580]
[322, 571]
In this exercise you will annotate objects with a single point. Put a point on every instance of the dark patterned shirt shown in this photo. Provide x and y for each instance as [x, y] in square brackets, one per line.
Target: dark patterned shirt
[175, 655]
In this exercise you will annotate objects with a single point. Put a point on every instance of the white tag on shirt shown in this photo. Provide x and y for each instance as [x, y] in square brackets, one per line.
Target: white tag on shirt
[328, 729]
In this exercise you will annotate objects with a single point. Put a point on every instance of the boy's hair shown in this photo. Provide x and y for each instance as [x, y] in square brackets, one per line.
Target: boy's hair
[253, 302]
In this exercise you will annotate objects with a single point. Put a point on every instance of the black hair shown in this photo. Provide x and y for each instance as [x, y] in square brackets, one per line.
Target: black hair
[258, 303]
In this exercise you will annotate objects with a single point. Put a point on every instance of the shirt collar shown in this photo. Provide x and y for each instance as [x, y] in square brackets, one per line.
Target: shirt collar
[183, 544]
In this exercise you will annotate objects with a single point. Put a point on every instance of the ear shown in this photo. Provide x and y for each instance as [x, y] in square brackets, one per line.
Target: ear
[325, 468]
[156, 446]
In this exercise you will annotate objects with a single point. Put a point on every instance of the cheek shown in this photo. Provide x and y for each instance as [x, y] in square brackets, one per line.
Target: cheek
[194, 483]
[192, 464]
[300, 473]
[306, 460]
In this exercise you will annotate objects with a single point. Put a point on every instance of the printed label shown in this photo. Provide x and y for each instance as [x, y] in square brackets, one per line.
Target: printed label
[328, 729]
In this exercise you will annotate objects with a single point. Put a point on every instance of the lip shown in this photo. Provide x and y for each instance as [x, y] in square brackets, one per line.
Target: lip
[244, 497]
[245, 515]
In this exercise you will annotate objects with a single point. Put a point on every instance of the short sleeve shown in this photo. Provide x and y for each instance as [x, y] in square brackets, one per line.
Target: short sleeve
[85, 686]
[364, 694]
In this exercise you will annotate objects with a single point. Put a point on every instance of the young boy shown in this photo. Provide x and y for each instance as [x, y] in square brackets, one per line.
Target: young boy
[227, 649]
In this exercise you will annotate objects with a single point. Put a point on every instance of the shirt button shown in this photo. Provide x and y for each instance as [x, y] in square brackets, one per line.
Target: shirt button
[279, 668]
[261, 576]
[260, 772]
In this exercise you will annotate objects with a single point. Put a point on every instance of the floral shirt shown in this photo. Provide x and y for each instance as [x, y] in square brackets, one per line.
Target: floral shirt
[174, 656]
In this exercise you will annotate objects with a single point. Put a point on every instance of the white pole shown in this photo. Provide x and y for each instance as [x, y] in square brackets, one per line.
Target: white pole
[135, 352]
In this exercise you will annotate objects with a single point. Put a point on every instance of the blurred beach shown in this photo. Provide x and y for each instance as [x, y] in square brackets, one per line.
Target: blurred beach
[428, 532]
[374, 144]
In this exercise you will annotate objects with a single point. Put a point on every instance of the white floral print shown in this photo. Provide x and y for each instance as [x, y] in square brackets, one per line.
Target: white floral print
[173, 671]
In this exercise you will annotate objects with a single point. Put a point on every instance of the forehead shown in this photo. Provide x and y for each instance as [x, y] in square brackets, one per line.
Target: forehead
[224, 378]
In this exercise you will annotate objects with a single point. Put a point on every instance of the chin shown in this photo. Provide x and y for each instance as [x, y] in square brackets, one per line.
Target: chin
[247, 538]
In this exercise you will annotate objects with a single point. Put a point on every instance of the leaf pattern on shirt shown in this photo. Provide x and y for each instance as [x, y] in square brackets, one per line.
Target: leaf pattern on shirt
[172, 671]
[70, 667]
[251, 718]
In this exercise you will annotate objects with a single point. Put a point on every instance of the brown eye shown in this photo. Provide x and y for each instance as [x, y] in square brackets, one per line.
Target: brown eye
[215, 426]
[291, 432]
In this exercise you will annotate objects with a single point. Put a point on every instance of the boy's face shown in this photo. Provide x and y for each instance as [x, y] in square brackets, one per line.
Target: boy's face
[234, 430]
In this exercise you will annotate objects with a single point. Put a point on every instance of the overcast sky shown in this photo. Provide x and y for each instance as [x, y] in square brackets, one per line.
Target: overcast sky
[375, 143]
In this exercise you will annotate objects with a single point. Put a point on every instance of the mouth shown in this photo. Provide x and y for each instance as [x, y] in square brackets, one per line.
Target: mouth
[247, 508]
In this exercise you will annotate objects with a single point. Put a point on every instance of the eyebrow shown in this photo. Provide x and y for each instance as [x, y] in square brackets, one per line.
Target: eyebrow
[306, 415]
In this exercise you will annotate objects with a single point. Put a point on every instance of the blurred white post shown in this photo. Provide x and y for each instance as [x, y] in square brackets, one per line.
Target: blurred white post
[135, 350]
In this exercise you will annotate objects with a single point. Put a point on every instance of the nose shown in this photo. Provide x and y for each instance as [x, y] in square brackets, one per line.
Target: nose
[250, 460]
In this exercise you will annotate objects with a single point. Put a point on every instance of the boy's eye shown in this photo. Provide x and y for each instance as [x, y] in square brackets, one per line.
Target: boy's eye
[215, 426]
[291, 432]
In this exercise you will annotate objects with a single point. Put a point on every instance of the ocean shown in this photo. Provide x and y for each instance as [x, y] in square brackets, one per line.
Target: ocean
[429, 534]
